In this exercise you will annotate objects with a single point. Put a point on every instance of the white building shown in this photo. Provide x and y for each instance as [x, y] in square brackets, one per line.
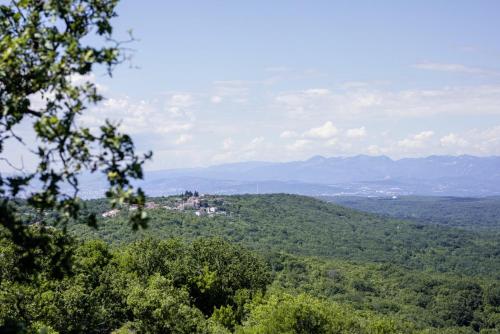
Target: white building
[151, 205]
[110, 213]
[201, 212]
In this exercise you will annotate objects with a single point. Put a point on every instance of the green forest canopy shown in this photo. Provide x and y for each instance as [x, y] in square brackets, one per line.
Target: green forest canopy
[310, 267]
[480, 214]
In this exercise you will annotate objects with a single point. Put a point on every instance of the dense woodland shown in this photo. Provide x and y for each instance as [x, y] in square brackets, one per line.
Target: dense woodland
[305, 226]
[264, 264]
[462, 212]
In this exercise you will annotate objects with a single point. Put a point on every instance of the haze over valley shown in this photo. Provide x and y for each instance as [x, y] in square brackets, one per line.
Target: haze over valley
[360, 175]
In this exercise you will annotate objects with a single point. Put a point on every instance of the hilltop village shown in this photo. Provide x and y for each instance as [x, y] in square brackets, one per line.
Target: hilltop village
[200, 205]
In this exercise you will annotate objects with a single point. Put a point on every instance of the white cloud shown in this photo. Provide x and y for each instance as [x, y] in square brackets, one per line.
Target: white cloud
[314, 120]
[254, 143]
[472, 141]
[424, 135]
[39, 101]
[354, 84]
[299, 144]
[317, 92]
[416, 141]
[356, 133]
[302, 102]
[331, 142]
[485, 141]
[454, 68]
[363, 100]
[321, 102]
[227, 143]
[116, 104]
[183, 139]
[78, 80]
[256, 148]
[325, 136]
[346, 147]
[173, 127]
[216, 99]
[170, 118]
[177, 104]
[366, 102]
[232, 90]
[451, 140]
[326, 131]
[479, 100]
[489, 135]
[288, 134]
[374, 150]
[145, 117]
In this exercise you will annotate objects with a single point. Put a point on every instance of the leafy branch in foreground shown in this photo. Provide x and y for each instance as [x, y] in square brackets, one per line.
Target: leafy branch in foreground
[48, 50]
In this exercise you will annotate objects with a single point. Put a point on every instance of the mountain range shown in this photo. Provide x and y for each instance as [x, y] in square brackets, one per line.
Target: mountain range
[359, 175]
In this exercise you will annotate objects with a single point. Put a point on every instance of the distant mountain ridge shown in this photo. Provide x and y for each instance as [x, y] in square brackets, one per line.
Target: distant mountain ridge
[361, 175]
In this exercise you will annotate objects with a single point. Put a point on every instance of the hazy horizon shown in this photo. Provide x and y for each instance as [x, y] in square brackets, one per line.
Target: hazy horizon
[327, 157]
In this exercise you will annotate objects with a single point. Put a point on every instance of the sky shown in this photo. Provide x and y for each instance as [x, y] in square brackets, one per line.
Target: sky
[212, 82]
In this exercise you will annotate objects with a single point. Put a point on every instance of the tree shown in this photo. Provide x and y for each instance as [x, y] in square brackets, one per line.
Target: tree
[48, 49]
[458, 303]
[161, 308]
[301, 314]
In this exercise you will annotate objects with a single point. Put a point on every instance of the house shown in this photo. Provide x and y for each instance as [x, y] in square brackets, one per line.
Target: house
[201, 212]
[194, 202]
[110, 213]
[151, 205]
[191, 203]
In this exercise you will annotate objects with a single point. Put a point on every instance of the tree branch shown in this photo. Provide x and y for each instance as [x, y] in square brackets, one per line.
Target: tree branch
[34, 112]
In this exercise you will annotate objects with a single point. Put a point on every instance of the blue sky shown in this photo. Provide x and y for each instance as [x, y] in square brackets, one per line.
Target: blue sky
[224, 81]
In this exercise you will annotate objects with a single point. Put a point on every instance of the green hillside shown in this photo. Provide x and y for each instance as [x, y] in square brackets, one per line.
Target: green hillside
[254, 264]
[462, 212]
[424, 299]
[307, 226]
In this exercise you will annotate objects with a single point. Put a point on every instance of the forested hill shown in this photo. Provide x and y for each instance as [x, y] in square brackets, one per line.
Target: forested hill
[307, 226]
[313, 267]
[463, 212]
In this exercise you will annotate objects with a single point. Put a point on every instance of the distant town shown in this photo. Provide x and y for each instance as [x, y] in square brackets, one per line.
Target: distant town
[200, 205]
